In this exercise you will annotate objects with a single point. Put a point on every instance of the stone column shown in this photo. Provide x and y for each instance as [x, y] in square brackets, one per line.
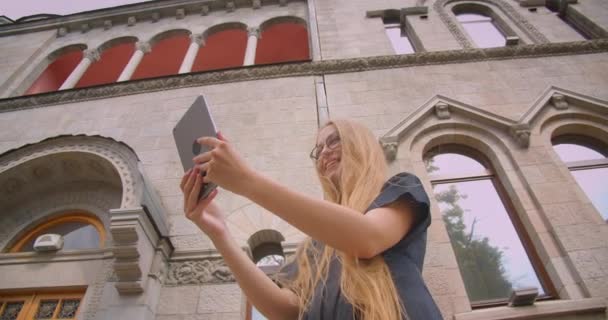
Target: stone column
[141, 48]
[88, 58]
[252, 43]
[186, 66]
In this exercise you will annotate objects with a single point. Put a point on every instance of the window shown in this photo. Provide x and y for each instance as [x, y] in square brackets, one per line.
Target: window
[282, 40]
[79, 232]
[113, 59]
[166, 55]
[57, 71]
[222, 49]
[40, 306]
[588, 162]
[491, 249]
[482, 30]
[397, 36]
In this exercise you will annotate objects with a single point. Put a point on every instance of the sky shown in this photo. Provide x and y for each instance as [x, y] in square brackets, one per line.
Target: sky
[16, 9]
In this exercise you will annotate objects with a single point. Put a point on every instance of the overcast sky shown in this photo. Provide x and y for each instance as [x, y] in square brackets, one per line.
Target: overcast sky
[16, 9]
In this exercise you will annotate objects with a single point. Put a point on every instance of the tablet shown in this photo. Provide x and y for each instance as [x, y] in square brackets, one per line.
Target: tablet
[195, 123]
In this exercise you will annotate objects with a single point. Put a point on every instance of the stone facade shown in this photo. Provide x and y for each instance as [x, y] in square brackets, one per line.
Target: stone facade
[504, 102]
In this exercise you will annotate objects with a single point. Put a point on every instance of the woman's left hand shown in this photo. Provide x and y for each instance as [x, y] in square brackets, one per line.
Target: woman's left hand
[224, 166]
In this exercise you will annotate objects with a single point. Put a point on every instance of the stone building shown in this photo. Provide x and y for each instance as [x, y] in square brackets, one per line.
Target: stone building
[499, 106]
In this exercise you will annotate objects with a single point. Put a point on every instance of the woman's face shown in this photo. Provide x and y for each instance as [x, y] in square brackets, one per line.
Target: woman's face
[328, 152]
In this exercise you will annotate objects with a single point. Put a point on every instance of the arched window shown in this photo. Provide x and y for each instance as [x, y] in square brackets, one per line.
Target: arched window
[222, 49]
[58, 70]
[114, 56]
[587, 160]
[397, 35]
[482, 25]
[165, 57]
[79, 231]
[282, 42]
[491, 247]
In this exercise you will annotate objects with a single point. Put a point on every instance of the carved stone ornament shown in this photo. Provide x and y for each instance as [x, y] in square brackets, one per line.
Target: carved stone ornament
[442, 110]
[230, 6]
[302, 69]
[198, 39]
[521, 134]
[180, 13]
[92, 54]
[559, 101]
[143, 46]
[205, 10]
[282, 3]
[390, 150]
[257, 4]
[107, 24]
[155, 16]
[85, 27]
[62, 31]
[131, 21]
[198, 272]
[120, 156]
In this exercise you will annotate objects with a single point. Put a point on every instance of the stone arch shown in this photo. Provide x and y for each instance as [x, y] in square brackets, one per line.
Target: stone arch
[265, 242]
[116, 41]
[222, 27]
[118, 155]
[167, 34]
[282, 19]
[515, 17]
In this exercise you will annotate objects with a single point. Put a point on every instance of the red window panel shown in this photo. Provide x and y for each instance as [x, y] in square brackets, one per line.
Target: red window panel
[224, 49]
[55, 74]
[111, 63]
[165, 58]
[282, 42]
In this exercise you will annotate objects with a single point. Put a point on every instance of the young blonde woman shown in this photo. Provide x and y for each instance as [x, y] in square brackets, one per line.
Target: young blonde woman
[363, 258]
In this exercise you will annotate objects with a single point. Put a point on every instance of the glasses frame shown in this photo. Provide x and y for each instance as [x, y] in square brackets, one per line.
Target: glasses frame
[332, 142]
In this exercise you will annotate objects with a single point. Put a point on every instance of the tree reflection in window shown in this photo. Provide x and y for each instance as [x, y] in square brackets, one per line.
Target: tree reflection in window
[588, 162]
[490, 254]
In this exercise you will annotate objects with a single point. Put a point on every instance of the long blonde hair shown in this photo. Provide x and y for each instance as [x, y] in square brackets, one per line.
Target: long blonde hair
[366, 284]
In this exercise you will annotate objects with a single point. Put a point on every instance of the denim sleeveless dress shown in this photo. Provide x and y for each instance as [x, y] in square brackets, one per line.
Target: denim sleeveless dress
[405, 261]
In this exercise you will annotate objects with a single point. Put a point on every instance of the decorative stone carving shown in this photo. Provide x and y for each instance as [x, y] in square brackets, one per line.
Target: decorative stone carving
[442, 110]
[253, 31]
[62, 31]
[282, 3]
[521, 134]
[559, 101]
[85, 27]
[143, 46]
[205, 10]
[390, 150]
[180, 13]
[131, 21]
[92, 54]
[230, 6]
[257, 4]
[107, 24]
[155, 16]
[120, 156]
[198, 39]
[198, 272]
[303, 69]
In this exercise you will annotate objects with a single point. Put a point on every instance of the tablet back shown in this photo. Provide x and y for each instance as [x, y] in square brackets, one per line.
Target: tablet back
[196, 122]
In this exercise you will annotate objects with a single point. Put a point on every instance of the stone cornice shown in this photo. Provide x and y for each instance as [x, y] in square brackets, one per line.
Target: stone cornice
[302, 69]
[146, 11]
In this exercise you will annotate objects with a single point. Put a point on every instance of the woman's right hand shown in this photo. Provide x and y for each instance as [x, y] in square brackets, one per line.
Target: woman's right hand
[204, 213]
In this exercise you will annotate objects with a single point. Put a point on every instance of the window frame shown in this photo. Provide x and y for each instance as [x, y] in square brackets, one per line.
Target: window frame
[471, 7]
[76, 216]
[521, 231]
[31, 301]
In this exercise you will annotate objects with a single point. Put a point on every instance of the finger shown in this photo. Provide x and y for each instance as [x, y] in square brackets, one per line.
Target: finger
[185, 179]
[221, 136]
[189, 182]
[203, 157]
[204, 167]
[205, 202]
[209, 141]
[193, 196]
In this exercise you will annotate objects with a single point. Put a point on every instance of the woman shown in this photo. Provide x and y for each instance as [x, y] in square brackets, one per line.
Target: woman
[367, 238]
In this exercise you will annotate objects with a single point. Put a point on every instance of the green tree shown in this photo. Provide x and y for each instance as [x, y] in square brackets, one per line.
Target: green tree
[479, 261]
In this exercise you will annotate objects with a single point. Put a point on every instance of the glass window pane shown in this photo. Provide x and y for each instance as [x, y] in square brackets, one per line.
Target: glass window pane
[472, 17]
[46, 309]
[11, 310]
[485, 34]
[490, 255]
[454, 164]
[68, 308]
[271, 260]
[76, 235]
[401, 44]
[595, 184]
[569, 152]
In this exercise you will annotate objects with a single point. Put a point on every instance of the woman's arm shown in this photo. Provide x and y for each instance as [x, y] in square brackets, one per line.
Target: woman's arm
[265, 295]
[272, 301]
[342, 228]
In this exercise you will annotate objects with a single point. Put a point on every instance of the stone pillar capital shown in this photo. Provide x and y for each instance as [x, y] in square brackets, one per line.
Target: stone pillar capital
[253, 31]
[92, 54]
[143, 46]
[198, 39]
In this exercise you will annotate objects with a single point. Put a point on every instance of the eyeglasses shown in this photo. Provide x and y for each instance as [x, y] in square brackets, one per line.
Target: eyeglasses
[332, 142]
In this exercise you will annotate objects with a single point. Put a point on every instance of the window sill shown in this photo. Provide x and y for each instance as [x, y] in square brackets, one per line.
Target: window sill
[538, 310]
[73, 255]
